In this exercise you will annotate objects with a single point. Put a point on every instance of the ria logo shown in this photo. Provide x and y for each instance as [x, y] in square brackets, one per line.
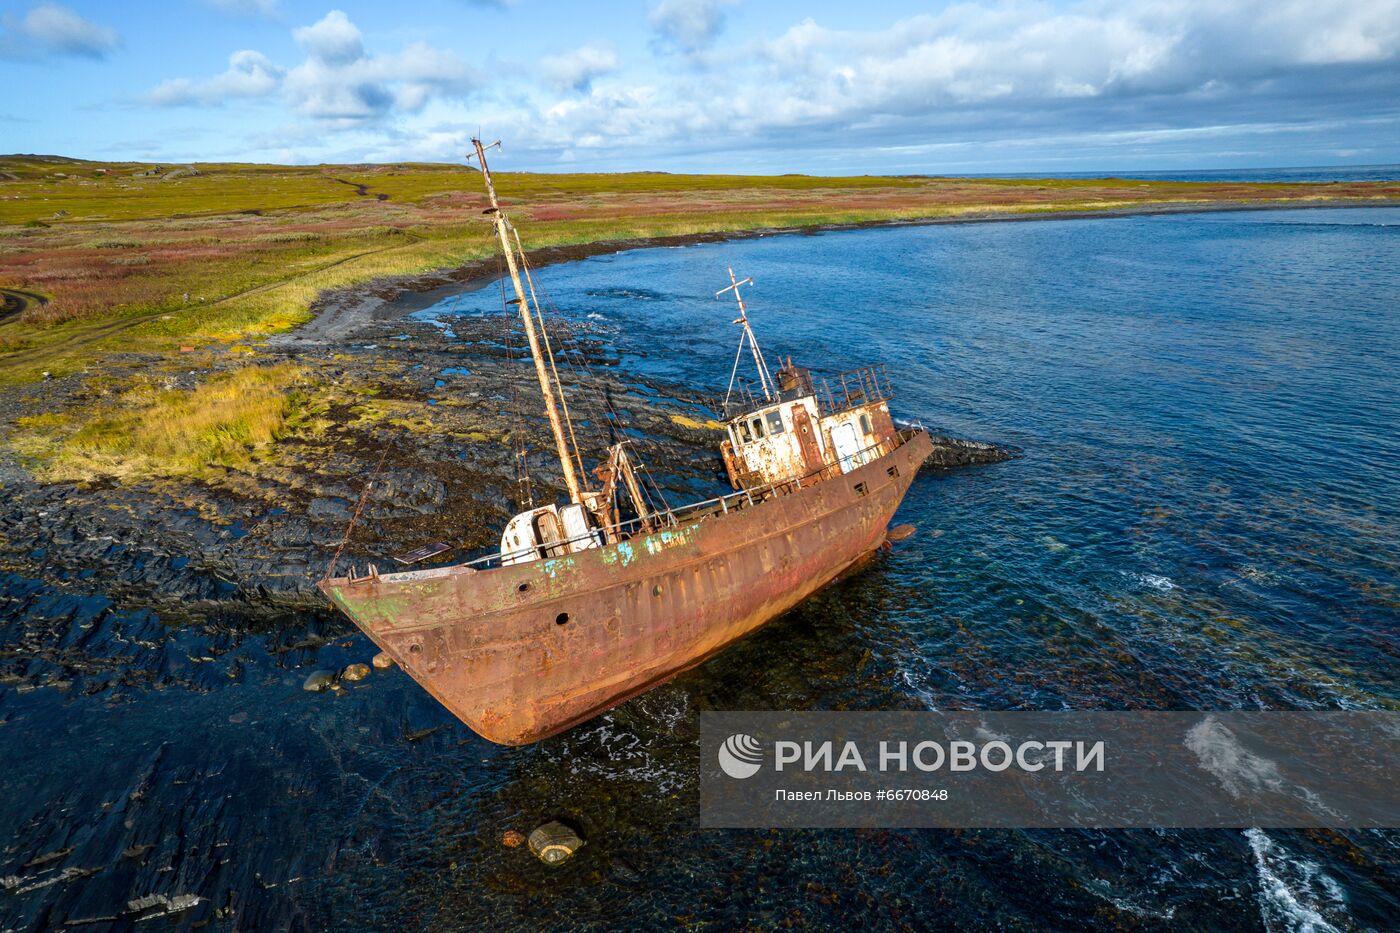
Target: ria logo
[740, 756]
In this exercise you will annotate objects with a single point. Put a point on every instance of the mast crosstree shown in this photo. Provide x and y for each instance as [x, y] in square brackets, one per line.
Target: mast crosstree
[764, 378]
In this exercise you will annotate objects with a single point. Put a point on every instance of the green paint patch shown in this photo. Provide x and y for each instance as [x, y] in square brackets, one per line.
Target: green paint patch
[551, 568]
[666, 540]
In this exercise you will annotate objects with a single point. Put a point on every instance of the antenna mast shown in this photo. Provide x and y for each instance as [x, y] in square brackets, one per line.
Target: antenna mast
[546, 388]
[764, 379]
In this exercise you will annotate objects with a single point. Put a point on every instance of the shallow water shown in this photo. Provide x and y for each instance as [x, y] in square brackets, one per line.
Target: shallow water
[1204, 516]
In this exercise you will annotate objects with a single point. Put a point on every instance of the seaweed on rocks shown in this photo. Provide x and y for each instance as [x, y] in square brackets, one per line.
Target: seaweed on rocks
[136, 614]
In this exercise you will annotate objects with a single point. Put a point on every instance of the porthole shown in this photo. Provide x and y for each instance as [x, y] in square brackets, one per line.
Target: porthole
[522, 588]
[656, 590]
[561, 619]
[414, 648]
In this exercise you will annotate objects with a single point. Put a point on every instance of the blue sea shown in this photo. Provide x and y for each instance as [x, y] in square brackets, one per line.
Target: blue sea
[1321, 173]
[1204, 514]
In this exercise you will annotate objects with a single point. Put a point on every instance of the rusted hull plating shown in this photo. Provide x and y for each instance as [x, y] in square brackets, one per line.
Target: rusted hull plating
[522, 652]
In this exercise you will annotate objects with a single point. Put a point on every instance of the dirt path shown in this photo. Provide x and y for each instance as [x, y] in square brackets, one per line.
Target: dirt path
[361, 189]
[14, 302]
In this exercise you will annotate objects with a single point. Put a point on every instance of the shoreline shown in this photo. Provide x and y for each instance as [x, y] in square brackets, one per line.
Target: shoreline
[340, 312]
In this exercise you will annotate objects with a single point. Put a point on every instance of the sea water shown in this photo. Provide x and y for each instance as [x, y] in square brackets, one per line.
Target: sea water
[1204, 514]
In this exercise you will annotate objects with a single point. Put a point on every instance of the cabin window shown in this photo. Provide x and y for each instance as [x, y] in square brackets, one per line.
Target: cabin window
[757, 428]
[862, 489]
[775, 422]
[744, 431]
[865, 424]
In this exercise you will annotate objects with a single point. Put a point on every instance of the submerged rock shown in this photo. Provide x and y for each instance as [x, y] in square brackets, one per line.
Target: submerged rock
[318, 681]
[512, 839]
[382, 661]
[555, 843]
[153, 906]
[951, 452]
[355, 672]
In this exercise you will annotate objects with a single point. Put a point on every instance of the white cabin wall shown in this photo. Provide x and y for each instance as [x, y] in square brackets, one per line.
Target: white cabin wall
[877, 415]
[775, 457]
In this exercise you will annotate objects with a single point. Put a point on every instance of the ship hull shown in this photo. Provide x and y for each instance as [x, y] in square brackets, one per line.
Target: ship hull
[522, 652]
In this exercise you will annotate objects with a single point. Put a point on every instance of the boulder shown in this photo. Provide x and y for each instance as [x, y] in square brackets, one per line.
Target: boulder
[555, 843]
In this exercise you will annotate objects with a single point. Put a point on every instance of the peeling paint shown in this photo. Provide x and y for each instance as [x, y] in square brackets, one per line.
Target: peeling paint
[552, 567]
[665, 540]
[520, 653]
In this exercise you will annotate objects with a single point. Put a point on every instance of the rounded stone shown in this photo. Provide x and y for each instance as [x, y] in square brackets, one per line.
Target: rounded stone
[318, 681]
[555, 843]
[900, 532]
[355, 672]
[512, 839]
[382, 661]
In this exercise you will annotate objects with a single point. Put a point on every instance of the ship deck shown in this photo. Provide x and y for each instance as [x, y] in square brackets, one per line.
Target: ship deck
[671, 518]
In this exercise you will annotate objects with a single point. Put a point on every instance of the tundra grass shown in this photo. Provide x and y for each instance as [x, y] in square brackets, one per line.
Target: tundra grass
[142, 258]
[152, 430]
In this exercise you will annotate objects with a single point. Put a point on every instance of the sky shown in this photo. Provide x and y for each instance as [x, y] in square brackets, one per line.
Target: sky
[763, 86]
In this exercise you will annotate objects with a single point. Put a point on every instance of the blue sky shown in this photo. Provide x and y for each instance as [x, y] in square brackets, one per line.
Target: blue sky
[710, 85]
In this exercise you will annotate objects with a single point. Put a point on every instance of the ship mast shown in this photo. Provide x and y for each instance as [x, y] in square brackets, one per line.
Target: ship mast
[764, 378]
[556, 424]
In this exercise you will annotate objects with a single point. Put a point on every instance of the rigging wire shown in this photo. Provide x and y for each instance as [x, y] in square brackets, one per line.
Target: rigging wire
[355, 516]
[549, 352]
[525, 492]
[734, 373]
[592, 392]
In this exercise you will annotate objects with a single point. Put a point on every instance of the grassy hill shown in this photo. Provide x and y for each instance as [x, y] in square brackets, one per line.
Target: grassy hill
[100, 257]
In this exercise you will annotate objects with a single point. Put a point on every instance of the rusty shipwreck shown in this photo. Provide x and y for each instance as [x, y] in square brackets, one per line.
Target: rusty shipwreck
[596, 600]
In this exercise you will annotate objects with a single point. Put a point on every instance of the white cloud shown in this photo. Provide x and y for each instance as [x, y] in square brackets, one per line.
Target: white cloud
[338, 83]
[691, 25]
[333, 39]
[249, 74]
[1141, 73]
[50, 29]
[342, 84]
[575, 71]
[1133, 76]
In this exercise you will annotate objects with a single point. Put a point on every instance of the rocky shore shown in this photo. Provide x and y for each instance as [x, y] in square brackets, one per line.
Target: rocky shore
[432, 416]
[124, 596]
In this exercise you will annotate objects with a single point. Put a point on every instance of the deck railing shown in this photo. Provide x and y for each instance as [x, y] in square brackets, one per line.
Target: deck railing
[834, 393]
[719, 505]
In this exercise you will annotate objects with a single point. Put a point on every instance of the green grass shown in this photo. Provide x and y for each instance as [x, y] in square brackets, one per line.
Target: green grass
[133, 262]
[153, 431]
